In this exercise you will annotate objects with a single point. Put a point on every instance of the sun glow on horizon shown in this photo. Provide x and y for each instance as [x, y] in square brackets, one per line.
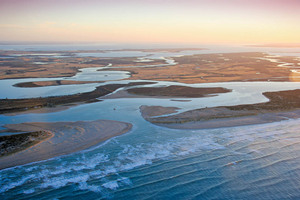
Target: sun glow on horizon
[178, 21]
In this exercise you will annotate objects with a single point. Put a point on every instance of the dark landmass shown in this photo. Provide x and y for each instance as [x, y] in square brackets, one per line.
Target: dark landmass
[282, 105]
[171, 50]
[15, 143]
[14, 105]
[52, 83]
[177, 91]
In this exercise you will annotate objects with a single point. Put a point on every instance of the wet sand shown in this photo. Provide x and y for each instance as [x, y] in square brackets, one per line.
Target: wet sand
[68, 137]
[282, 105]
[151, 111]
[233, 121]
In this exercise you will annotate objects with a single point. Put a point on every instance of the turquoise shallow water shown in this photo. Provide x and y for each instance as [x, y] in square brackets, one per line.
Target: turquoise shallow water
[151, 162]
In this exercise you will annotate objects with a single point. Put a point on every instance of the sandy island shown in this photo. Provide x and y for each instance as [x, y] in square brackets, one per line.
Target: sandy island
[282, 105]
[68, 137]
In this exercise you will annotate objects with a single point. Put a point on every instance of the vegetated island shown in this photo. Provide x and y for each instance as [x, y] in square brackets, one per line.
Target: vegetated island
[46, 140]
[52, 83]
[10, 144]
[168, 92]
[282, 105]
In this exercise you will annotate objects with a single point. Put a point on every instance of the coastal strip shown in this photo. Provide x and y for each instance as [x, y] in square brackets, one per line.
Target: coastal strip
[282, 105]
[68, 137]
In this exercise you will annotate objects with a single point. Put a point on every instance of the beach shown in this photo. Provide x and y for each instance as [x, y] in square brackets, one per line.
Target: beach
[68, 137]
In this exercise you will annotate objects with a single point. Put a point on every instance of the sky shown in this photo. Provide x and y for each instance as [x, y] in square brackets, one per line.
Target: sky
[151, 21]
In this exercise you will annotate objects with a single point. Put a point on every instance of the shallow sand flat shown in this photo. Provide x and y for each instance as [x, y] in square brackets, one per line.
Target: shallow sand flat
[68, 137]
[282, 105]
[234, 121]
[151, 111]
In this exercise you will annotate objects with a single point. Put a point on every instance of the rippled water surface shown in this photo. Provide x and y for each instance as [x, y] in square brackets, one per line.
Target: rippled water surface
[157, 163]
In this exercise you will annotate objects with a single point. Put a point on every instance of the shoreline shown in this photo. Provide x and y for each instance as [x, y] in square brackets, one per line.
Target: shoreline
[281, 105]
[68, 137]
[235, 121]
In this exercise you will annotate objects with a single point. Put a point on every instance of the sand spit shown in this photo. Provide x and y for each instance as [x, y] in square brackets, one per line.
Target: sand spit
[233, 121]
[282, 105]
[151, 111]
[68, 137]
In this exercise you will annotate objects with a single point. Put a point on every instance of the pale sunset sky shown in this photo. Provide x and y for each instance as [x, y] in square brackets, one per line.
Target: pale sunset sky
[151, 21]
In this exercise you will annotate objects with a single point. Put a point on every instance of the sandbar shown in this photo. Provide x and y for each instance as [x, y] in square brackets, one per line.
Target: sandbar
[282, 105]
[151, 111]
[68, 137]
